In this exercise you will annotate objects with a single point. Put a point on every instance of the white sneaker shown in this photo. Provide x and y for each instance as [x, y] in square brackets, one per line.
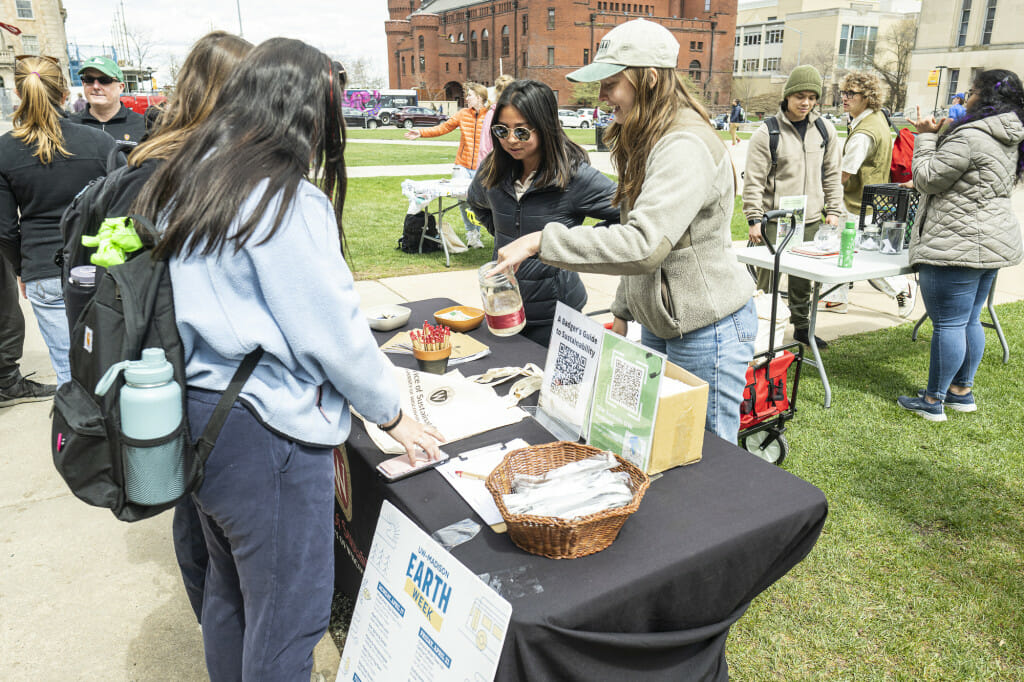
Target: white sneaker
[473, 240]
[905, 299]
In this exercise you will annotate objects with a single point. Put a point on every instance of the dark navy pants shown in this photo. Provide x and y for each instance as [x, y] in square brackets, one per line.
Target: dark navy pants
[265, 507]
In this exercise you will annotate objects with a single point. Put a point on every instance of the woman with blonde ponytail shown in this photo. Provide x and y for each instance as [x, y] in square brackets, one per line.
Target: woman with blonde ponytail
[673, 247]
[44, 162]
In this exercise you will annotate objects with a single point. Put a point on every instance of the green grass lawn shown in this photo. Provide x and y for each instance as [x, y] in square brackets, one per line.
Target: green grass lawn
[917, 574]
[374, 213]
[395, 154]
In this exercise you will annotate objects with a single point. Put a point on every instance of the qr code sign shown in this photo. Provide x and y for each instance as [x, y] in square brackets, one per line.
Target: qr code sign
[627, 379]
[568, 374]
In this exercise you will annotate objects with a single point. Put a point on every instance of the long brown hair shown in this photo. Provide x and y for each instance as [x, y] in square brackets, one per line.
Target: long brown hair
[41, 87]
[206, 69]
[660, 95]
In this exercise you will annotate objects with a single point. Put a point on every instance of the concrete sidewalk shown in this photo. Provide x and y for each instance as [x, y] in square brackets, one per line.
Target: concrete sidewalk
[86, 597]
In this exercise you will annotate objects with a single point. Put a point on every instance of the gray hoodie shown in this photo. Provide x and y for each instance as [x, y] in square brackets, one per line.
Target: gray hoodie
[965, 218]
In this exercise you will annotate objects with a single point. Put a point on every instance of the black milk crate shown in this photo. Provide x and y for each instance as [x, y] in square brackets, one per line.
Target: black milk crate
[889, 201]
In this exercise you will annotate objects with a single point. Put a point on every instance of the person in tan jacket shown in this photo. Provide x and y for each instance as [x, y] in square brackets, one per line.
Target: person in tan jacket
[470, 122]
[807, 165]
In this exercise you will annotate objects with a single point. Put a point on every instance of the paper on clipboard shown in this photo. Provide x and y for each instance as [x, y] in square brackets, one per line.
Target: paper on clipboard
[480, 462]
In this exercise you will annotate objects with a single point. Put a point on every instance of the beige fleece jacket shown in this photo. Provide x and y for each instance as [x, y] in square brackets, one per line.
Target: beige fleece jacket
[798, 171]
[674, 247]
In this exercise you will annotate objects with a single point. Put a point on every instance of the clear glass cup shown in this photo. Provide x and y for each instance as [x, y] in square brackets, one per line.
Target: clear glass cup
[503, 304]
[893, 234]
[869, 237]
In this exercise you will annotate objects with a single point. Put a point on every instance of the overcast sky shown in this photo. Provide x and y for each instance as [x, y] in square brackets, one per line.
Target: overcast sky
[342, 28]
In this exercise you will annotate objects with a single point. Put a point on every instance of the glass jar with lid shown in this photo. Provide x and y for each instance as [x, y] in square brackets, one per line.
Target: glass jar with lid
[503, 305]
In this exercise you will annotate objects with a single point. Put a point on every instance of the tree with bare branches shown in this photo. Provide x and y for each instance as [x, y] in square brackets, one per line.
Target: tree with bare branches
[892, 61]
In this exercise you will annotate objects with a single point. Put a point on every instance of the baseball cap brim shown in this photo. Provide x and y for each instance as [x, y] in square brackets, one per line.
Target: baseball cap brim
[105, 69]
[594, 71]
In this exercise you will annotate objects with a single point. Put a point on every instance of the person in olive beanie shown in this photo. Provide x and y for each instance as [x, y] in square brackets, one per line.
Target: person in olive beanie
[808, 165]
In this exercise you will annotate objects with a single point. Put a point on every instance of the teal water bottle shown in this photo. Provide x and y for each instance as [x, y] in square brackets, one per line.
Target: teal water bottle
[150, 409]
[847, 243]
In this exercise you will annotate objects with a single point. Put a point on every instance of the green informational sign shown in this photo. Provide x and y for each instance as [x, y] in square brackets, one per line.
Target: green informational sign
[626, 399]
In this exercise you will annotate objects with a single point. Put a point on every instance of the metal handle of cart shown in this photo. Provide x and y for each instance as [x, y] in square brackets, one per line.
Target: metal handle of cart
[777, 214]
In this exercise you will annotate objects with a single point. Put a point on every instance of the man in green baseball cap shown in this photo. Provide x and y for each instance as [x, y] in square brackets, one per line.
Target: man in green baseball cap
[103, 83]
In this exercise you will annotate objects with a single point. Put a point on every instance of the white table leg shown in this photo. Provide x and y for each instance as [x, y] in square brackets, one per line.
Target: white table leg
[812, 323]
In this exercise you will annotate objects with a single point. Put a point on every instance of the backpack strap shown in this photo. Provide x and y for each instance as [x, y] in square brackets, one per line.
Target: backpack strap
[220, 413]
[819, 123]
[773, 140]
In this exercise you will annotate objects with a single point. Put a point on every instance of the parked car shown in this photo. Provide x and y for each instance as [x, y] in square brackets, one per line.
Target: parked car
[407, 117]
[140, 103]
[721, 122]
[357, 118]
[570, 119]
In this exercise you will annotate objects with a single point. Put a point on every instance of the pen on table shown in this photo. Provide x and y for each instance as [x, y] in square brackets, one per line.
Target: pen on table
[470, 474]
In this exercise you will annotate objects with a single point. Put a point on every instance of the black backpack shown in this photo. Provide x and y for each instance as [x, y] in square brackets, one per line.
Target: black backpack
[132, 309]
[83, 216]
[412, 230]
[773, 140]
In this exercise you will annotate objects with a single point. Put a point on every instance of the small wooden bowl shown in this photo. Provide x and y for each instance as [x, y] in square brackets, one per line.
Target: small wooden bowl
[475, 314]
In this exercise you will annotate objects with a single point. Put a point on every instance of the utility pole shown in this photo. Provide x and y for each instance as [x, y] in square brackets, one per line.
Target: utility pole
[238, 7]
[938, 88]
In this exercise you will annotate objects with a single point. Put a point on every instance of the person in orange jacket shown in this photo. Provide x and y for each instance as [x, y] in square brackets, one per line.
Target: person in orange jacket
[470, 122]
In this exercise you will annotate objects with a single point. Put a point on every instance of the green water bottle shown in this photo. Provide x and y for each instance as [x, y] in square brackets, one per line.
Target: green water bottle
[847, 243]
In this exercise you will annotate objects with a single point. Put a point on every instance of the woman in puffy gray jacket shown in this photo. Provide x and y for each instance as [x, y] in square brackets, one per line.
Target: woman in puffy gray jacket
[966, 231]
[536, 176]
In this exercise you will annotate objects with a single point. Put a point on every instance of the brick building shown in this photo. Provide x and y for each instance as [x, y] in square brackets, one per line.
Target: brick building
[436, 45]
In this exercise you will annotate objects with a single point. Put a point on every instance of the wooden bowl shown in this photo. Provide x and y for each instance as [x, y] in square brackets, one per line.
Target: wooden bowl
[475, 315]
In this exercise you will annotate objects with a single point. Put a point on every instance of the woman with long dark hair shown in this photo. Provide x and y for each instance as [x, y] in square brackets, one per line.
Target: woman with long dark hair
[965, 231]
[255, 253]
[673, 246]
[533, 176]
[44, 162]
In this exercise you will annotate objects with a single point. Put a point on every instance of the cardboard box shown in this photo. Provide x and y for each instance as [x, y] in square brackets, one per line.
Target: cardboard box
[679, 423]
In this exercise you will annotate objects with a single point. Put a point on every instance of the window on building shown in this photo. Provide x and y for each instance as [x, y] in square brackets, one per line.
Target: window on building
[739, 38]
[696, 46]
[446, 67]
[750, 65]
[856, 46]
[24, 9]
[551, 18]
[423, 64]
[954, 83]
[30, 44]
[990, 20]
[770, 64]
[707, 5]
[504, 41]
[586, 56]
[526, 24]
[472, 45]
[460, 67]
[524, 58]
[421, 42]
[485, 45]
[752, 39]
[403, 66]
[551, 56]
[462, 37]
[773, 35]
[695, 71]
[735, 66]
[965, 19]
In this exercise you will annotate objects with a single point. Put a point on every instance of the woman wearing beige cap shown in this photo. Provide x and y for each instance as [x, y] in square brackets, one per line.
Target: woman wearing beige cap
[673, 247]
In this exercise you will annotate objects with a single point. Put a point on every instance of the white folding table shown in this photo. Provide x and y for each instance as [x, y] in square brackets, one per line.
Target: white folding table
[421, 192]
[825, 271]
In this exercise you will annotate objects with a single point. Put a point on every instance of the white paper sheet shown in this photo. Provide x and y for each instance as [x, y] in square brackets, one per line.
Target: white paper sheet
[479, 462]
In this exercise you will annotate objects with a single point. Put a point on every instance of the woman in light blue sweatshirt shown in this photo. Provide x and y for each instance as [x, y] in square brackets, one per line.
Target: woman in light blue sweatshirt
[256, 261]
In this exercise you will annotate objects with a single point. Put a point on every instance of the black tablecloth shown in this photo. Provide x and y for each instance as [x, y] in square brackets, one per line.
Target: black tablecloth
[658, 603]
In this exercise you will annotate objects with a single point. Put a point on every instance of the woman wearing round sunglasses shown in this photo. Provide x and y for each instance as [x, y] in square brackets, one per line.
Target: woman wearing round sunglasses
[673, 246]
[534, 176]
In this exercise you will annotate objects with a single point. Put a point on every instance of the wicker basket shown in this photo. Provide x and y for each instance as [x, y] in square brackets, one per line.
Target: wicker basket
[553, 537]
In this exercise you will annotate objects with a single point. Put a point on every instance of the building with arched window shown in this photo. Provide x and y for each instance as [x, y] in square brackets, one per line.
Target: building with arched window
[451, 41]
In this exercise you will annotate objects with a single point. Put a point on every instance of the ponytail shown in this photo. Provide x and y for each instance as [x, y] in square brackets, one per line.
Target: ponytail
[40, 85]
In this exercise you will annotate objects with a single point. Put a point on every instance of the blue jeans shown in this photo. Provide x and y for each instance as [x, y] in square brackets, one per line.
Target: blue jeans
[266, 509]
[463, 173]
[47, 301]
[718, 354]
[953, 298]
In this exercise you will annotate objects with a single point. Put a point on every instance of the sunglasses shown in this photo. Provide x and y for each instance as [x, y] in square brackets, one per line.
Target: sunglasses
[848, 94]
[104, 80]
[521, 133]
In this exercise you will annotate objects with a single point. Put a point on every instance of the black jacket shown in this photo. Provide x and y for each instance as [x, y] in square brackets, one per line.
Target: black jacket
[41, 193]
[589, 194]
[124, 125]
